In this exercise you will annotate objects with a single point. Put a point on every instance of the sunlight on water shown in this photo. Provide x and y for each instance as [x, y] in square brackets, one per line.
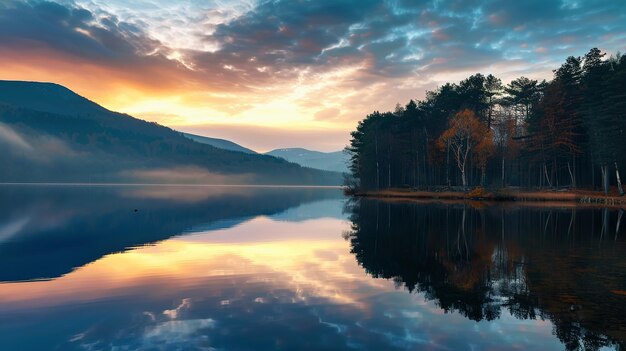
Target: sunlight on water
[261, 261]
[288, 279]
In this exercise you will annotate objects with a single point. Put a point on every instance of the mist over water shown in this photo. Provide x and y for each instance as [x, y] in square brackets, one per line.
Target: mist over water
[253, 268]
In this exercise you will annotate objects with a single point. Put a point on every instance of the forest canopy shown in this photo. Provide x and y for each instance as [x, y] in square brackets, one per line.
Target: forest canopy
[567, 132]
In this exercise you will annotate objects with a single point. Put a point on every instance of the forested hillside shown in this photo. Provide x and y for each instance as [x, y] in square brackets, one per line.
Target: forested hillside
[49, 134]
[568, 132]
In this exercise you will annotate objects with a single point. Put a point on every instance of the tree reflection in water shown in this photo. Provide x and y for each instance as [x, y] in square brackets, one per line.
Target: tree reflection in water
[567, 265]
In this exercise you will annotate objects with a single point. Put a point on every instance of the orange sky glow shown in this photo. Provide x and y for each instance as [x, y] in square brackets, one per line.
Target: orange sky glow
[270, 75]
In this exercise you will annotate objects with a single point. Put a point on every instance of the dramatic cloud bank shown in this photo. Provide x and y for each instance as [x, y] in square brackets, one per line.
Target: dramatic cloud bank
[315, 66]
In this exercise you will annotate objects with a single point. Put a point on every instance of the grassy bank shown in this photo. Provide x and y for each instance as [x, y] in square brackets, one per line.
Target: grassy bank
[571, 196]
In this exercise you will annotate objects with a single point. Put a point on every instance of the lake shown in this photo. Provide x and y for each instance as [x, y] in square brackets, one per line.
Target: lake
[265, 268]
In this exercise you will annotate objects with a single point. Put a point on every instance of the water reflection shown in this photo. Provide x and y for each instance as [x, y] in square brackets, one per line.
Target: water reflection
[48, 231]
[271, 269]
[565, 265]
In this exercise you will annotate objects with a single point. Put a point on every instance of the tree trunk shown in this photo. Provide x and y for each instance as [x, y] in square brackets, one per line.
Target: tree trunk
[425, 156]
[471, 171]
[489, 113]
[605, 178]
[593, 174]
[619, 181]
[571, 175]
[417, 161]
[417, 165]
[377, 164]
[545, 171]
[555, 171]
[467, 152]
[389, 166]
[574, 172]
[503, 171]
[448, 164]
[519, 171]
[389, 174]
[482, 175]
[463, 178]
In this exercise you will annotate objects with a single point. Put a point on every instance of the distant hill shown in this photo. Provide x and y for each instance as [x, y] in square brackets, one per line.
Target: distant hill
[329, 161]
[50, 134]
[219, 143]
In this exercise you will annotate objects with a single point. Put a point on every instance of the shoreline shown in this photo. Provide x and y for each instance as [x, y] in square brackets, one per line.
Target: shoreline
[577, 197]
[83, 184]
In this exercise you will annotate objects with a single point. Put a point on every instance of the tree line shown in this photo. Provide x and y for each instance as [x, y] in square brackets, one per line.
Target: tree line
[568, 132]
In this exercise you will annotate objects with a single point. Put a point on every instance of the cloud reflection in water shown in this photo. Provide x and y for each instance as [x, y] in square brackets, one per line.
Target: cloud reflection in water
[263, 284]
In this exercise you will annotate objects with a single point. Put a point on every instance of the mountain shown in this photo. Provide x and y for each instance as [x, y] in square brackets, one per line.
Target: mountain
[50, 134]
[47, 97]
[330, 161]
[219, 143]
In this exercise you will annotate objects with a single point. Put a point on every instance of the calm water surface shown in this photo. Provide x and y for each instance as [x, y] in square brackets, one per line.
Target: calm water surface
[218, 268]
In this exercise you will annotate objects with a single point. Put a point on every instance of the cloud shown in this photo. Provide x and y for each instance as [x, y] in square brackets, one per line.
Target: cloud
[12, 139]
[185, 304]
[329, 113]
[262, 63]
[176, 333]
[184, 175]
[47, 33]
[72, 30]
[40, 148]
[273, 41]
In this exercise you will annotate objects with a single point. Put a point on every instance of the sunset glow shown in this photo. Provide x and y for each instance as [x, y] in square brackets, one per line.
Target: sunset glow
[302, 72]
[175, 261]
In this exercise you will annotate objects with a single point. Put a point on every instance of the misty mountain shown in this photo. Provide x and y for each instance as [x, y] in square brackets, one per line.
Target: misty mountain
[50, 134]
[330, 161]
[219, 143]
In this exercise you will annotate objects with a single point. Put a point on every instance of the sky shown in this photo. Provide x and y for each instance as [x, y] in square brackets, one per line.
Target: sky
[289, 73]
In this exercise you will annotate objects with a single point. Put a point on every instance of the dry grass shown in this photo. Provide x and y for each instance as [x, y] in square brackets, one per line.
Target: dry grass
[585, 197]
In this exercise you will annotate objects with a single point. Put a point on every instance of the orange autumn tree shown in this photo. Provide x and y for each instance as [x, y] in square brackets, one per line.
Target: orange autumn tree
[467, 137]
